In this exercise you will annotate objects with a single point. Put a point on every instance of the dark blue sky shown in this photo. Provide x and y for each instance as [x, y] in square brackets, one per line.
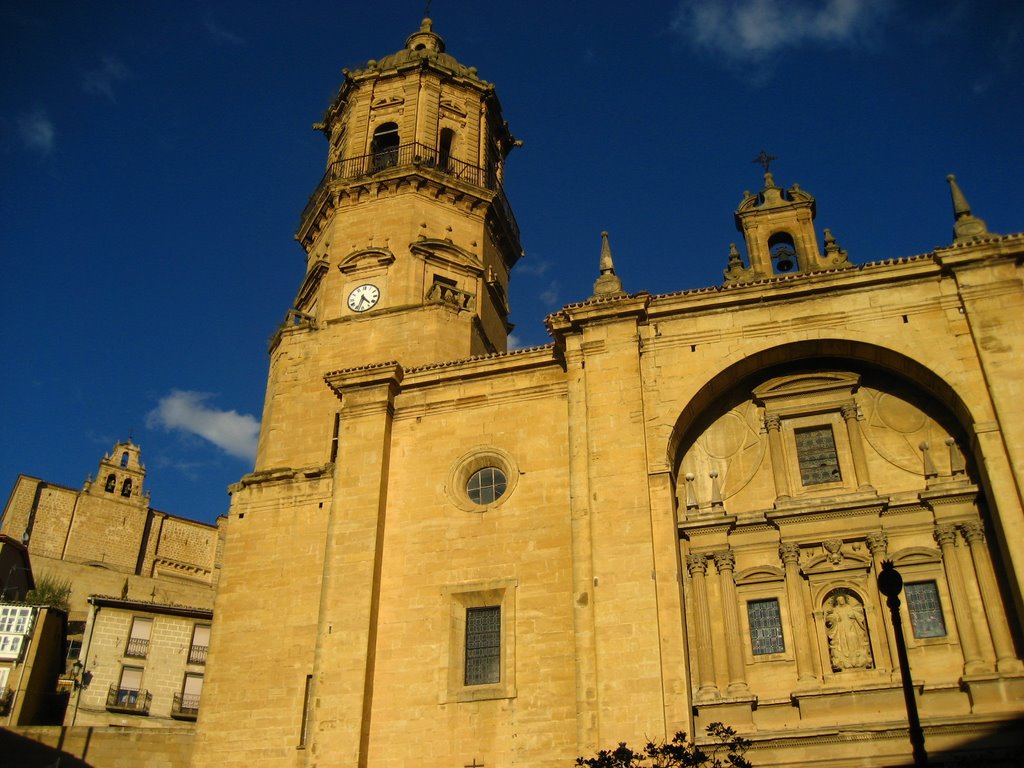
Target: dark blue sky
[154, 158]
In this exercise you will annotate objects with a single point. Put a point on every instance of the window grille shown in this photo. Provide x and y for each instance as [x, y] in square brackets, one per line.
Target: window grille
[138, 641]
[765, 627]
[925, 609]
[200, 644]
[483, 645]
[816, 453]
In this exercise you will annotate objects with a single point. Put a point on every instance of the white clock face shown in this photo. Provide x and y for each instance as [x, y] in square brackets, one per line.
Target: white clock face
[363, 297]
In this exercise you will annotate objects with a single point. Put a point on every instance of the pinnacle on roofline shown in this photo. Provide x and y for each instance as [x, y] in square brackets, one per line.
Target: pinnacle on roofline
[608, 283]
[966, 226]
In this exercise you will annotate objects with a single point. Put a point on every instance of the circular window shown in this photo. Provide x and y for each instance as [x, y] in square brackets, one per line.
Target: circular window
[482, 479]
[486, 485]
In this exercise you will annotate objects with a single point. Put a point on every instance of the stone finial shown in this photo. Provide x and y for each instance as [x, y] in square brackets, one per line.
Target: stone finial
[734, 257]
[608, 283]
[691, 495]
[957, 465]
[735, 272]
[929, 466]
[966, 226]
[835, 256]
[716, 490]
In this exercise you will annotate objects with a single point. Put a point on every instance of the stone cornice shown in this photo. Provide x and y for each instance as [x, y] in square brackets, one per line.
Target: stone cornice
[167, 609]
[980, 250]
[573, 316]
[281, 475]
[708, 525]
[343, 192]
[811, 510]
[484, 365]
[388, 374]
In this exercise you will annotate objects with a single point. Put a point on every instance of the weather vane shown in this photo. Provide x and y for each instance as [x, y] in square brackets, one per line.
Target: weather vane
[764, 159]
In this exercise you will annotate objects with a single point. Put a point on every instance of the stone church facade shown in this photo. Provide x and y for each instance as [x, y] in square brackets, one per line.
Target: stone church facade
[673, 514]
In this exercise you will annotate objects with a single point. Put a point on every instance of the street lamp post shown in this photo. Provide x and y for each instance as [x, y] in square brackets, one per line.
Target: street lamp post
[890, 584]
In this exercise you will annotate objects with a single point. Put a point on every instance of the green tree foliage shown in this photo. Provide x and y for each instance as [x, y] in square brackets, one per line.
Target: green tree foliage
[726, 750]
[52, 592]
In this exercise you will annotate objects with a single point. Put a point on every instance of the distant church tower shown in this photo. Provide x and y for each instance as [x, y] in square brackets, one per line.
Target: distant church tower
[409, 238]
[120, 475]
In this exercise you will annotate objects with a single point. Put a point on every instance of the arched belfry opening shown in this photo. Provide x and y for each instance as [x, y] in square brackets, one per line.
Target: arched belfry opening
[445, 146]
[783, 253]
[384, 147]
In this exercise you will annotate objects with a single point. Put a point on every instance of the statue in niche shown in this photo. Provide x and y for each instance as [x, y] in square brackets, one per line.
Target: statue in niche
[847, 629]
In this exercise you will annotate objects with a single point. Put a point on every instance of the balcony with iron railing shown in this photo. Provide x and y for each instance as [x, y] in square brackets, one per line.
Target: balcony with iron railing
[197, 654]
[137, 648]
[412, 155]
[185, 706]
[129, 701]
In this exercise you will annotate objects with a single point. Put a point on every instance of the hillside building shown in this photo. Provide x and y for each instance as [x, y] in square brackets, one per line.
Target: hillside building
[105, 539]
[142, 664]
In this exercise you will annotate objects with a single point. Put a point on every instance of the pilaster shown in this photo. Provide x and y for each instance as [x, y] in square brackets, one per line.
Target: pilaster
[343, 664]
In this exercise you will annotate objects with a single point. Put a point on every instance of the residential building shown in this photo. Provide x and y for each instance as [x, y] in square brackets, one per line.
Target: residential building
[142, 664]
[105, 539]
[31, 658]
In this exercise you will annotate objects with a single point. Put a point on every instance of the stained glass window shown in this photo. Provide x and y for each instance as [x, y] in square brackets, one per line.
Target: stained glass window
[765, 627]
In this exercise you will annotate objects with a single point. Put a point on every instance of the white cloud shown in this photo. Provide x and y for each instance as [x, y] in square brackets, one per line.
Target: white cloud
[233, 432]
[753, 29]
[514, 342]
[532, 267]
[550, 294]
[101, 81]
[37, 132]
[220, 34]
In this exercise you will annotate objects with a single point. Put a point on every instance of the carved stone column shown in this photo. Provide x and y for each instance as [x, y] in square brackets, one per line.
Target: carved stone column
[860, 462]
[708, 688]
[878, 544]
[945, 535]
[790, 554]
[1002, 641]
[773, 426]
[726, 564]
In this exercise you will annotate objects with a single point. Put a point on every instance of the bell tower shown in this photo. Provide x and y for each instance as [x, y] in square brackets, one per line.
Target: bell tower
[409, 239]
[778, 227]
[120, 475]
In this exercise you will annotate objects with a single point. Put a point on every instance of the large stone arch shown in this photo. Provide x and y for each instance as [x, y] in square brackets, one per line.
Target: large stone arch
[964, 417]
[829, 352]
